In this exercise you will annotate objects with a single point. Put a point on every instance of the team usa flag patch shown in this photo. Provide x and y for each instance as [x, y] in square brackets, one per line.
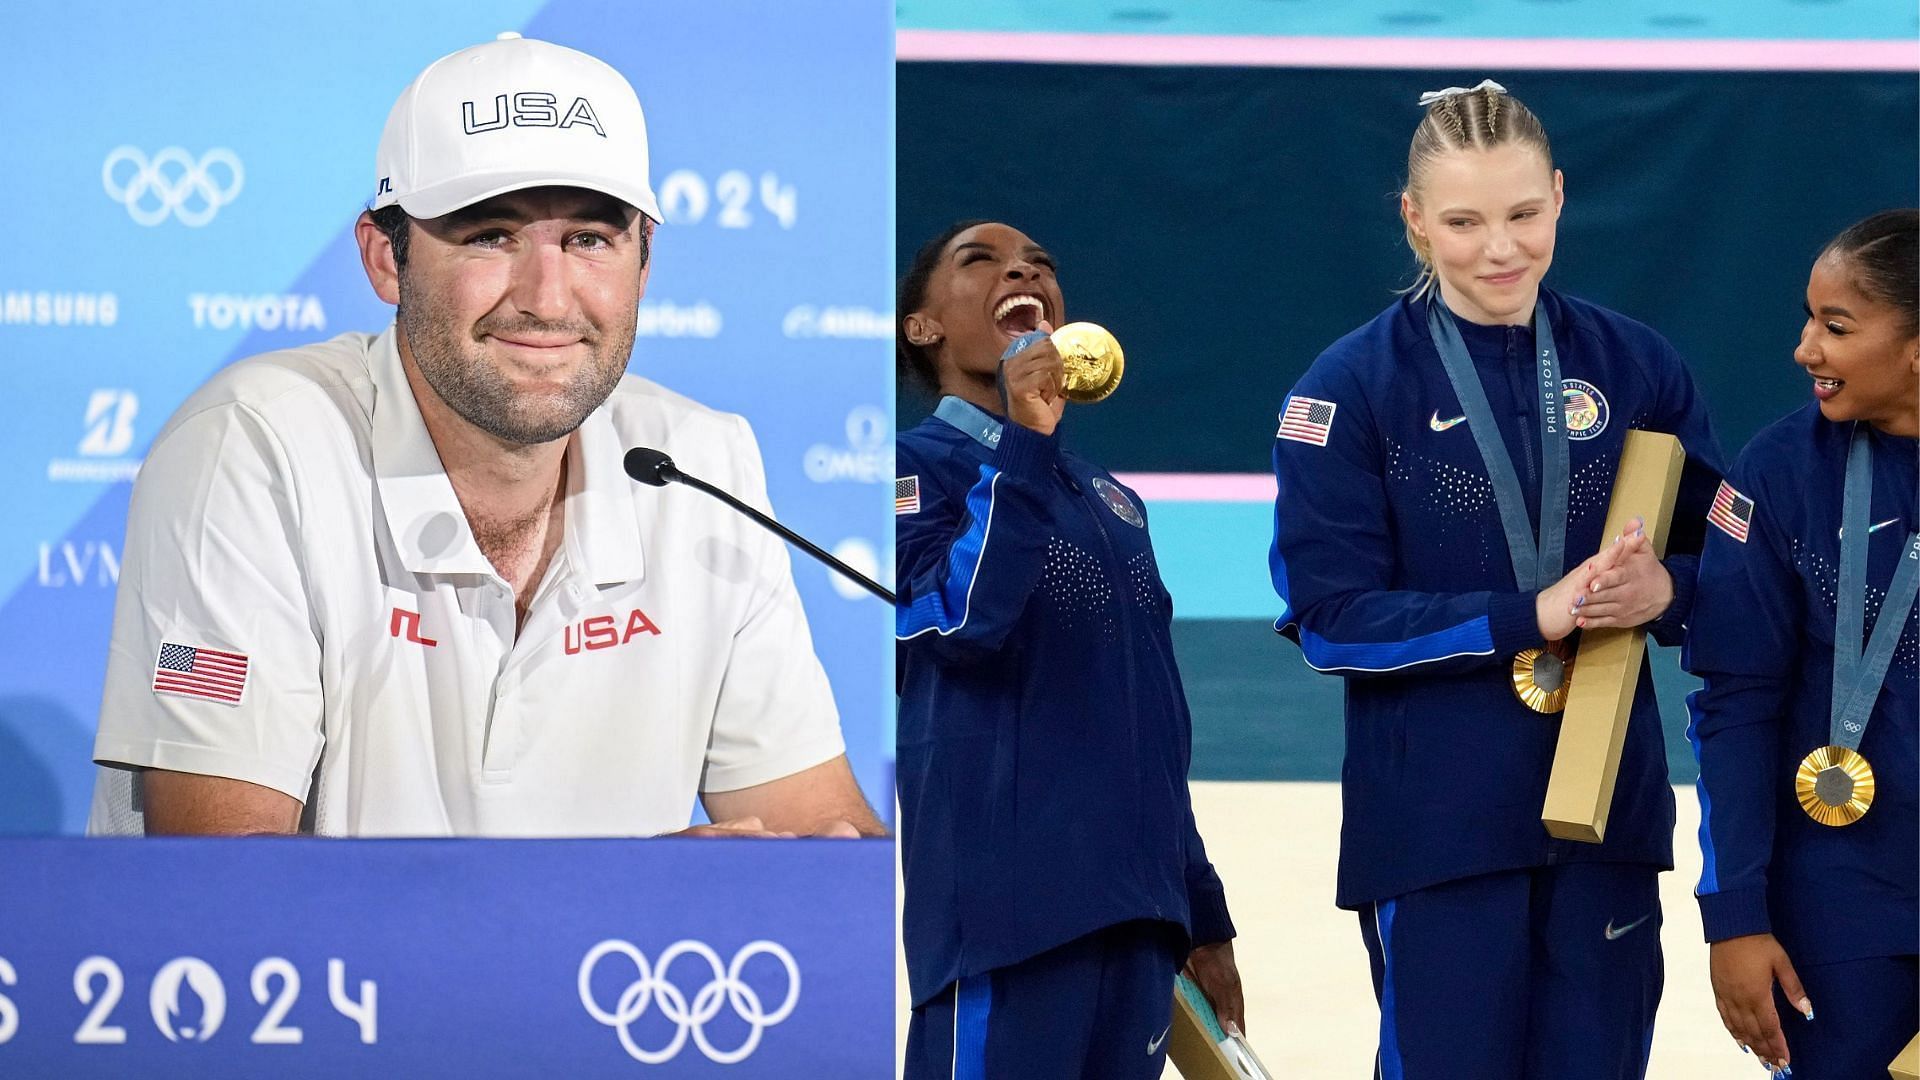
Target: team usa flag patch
[1731, 511]
[1307, 420]
[189, 671]
[906, 495]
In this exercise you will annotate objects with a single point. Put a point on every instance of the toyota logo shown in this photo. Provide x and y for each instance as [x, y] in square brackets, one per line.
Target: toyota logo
[723, 988]
[172, 183]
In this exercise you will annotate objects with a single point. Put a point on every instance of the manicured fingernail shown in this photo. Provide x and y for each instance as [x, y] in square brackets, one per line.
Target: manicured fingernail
[1744, 1049]
[1579, 600]
[1581, 623]
[1806, 1008]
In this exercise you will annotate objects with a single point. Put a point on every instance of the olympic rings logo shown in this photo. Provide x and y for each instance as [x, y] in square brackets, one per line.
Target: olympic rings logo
[190, 190]
[724, 987]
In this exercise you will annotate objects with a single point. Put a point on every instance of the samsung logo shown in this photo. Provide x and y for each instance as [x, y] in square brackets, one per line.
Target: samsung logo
[59, 309]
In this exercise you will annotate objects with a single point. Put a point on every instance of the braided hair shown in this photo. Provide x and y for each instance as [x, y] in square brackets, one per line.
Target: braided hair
[1478, 119]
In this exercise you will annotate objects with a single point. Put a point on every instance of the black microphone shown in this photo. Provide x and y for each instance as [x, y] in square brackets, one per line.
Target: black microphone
[655, 469]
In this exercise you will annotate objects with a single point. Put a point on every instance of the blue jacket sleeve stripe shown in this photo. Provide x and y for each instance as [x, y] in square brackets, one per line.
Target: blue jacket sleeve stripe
[1709, 865]
[936, 610]
[1471, 638]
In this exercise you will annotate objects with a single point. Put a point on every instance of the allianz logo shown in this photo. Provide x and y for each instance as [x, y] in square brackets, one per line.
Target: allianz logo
[664, 318]
[865, 458]
[289, 311]
[807, 321]
[108, 435]
[24, 307]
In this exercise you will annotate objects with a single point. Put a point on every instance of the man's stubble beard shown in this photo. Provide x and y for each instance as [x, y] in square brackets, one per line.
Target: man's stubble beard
[454, 364]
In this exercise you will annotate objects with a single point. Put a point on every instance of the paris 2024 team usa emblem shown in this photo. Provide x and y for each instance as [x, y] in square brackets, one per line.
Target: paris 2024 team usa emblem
[1118, 502]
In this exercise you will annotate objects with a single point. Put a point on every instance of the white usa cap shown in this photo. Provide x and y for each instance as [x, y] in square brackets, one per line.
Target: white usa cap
[512, 114]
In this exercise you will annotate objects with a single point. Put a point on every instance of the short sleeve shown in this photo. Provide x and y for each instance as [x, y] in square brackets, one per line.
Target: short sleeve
[776, 715]
[214, 666]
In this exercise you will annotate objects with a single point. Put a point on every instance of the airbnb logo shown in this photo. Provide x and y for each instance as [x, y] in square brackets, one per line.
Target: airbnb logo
[410, 621]
[603, 631]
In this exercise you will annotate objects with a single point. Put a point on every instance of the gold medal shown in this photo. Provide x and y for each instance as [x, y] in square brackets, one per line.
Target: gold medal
[1093, 361]
[1835, 786]
[1540, 677]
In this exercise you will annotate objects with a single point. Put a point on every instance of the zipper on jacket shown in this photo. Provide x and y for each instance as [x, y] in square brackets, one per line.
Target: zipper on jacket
[1523, 404]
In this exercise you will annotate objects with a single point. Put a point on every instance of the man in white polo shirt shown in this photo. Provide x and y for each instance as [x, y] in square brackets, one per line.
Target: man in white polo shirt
[401, 585]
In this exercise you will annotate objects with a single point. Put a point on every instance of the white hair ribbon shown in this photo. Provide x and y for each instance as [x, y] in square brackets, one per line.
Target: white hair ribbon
[1432, 96]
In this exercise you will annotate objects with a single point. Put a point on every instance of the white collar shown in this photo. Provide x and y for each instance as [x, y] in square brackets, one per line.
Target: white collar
[424, 516]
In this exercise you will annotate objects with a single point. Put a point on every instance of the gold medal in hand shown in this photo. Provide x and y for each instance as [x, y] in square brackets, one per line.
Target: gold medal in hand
[1092, 361]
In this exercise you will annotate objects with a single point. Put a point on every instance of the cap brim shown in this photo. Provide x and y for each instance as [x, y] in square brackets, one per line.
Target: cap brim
[445, 198]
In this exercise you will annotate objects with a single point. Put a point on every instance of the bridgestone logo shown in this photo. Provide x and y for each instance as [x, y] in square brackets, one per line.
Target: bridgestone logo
[59, 309]
[81, 471]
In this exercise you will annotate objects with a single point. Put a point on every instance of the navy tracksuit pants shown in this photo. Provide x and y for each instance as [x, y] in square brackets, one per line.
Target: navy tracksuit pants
[1548, 972]
[1096, 1008]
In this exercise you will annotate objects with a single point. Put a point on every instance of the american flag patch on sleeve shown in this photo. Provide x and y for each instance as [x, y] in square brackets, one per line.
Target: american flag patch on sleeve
[1307, 420]
[189, 671]
[1731, 511]
[906, 495]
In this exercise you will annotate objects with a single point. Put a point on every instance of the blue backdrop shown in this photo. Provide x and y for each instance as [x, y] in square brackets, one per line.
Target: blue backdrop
[772, 134]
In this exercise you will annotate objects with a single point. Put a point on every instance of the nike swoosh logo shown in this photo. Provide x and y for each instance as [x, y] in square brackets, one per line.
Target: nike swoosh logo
[1613, 935]
[1153, 1045]
[1871, 529]
[1438, 424]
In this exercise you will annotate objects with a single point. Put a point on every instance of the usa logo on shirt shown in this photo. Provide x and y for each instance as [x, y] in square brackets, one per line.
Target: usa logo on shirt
[1307, 420]
[1731, 512]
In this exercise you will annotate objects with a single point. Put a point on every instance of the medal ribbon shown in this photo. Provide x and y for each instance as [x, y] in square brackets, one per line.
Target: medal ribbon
[1534, 567]
[1857, 675]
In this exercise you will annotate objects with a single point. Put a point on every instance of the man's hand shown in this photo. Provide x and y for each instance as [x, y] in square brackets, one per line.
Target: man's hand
[821, 801]
[1211, 967]
[737, 828]
[1033, 378]
[1744, 970]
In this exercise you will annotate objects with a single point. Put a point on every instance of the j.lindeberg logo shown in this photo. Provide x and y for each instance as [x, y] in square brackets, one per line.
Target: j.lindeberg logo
[529, 109]
[172, 183]
[724, 988]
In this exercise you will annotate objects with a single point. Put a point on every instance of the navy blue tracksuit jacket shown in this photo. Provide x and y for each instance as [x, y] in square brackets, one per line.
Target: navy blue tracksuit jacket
[1043, 732]
[1392, 568]
[1762, 638]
